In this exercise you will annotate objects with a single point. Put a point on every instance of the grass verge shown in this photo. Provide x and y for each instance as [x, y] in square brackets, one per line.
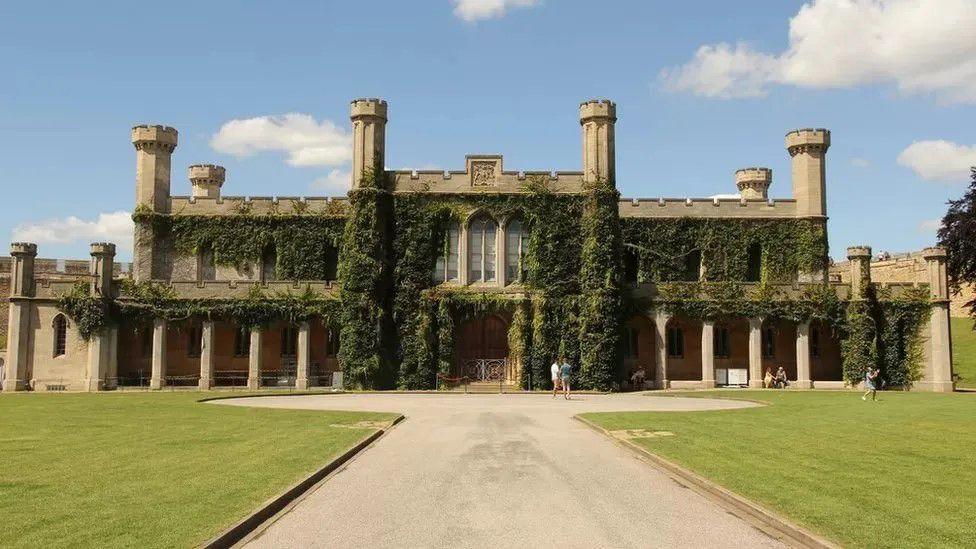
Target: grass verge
[158, 470]
[893, 473]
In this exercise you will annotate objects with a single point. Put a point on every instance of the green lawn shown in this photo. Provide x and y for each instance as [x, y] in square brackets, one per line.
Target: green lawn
[964, 351]
[157, 470]
[895, 473]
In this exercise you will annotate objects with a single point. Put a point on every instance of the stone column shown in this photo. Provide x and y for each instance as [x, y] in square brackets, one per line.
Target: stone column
[207, 337]
[304, 352]
[254, 360]
[708, 354]
[803, 356]
[860, 265]
[938, 371]
[755, 353]
[661, 350]
[100, 286]
[158, 379]
[22, 256]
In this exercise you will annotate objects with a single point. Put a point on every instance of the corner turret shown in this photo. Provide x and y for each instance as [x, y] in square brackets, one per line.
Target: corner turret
[753, 183]
[369, 138]
[808, 148]
[206, 179]
[597, 118]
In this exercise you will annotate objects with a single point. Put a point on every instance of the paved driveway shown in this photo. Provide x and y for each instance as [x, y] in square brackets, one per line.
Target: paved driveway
[500, 471]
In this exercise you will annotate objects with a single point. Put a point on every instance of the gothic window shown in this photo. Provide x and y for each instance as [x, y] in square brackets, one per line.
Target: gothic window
[768, 343]
[754, 266]
[516, 251]
[60, 335]
[676, 342]
[269, 260]
[194, 337]
[693, 266]
[206, 266]
[331, 263]
[481, 250]
[446, 267]
[722, 347]
[242, 341]
[289, 341]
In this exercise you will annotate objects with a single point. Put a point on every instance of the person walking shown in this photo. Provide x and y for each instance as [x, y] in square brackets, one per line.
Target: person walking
[565, 370]
[555, 377]
[871, 384]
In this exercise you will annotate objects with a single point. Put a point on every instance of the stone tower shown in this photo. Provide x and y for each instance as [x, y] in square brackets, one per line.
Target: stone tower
[369, 138]
[597, 118]
[206, 180]
[808, 148]
[154, 151]
[753, 183]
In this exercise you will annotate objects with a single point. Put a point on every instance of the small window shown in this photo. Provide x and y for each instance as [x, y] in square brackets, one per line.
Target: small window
[693, 263]
[815, 342]
[289, 341]
[722, 347]
[768, 343]
[332, 343]
[207, 267]
[60, 335]
[632, 350]
[754, 267]
[446, 266]
[631, 265]
[194, 337]
[269, 262]
[242, 341]
[146, 341]
[676, 343]
[331, 263]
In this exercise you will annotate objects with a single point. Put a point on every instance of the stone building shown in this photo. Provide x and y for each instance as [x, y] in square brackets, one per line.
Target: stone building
[483, 310]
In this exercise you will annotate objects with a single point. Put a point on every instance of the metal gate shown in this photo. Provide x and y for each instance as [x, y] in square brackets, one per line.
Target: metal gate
[485, 369]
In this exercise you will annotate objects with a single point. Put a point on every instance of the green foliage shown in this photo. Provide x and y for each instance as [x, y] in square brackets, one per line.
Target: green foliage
[90, 314]
[725, 300]
[958, 236]
[662, 246]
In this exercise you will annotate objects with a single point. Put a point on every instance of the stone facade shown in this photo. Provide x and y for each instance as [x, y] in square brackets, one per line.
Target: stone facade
[46, 352]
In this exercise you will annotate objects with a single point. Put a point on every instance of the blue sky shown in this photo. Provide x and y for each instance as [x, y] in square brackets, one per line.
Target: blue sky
[702, 88]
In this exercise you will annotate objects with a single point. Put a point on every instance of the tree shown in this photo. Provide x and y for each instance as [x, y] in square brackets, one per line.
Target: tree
[958, 236]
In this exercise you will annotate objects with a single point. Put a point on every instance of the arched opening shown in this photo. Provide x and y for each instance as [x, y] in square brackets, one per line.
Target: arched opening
[481, 250]
[60, 335]
[482, 349]
[516, 251]
[446, 266]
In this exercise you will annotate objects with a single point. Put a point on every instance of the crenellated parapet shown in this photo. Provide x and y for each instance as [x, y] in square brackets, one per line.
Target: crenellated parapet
[154, 138]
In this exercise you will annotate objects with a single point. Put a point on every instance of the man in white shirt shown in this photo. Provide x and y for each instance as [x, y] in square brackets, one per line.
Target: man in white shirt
[555, 378]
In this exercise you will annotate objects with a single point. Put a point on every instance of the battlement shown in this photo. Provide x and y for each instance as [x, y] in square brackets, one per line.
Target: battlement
[145, 135]
[808, 140]
[102, 248]
[484, 173]
[598, 108]
[706, 207]
[23, 248]
[206, 174]
[368, 107]
[259, 205]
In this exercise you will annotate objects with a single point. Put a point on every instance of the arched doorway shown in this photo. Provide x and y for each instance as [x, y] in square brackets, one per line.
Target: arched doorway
[482, 349]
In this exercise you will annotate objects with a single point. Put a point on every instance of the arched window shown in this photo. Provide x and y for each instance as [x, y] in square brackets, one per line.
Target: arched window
[60, 335]
[481, 250]
[446, 267]
[754, 268]
[206, 266]
[269, 260]
[516, 250]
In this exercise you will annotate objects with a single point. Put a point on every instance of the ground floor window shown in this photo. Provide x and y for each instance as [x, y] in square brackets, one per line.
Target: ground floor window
[60, 335]
[676, 342]
[722, 347]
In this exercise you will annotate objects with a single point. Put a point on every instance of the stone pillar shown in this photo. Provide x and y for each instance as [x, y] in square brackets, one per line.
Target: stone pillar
[755, 353]
[708, 354]
[369, 138]
[207, 338]
[102, 264]
[206, 180]
[254, 359]
[158, 379]
[661, 350]
[154, 151]
[753, 183]
[938, 371]
[304, 352]
[803, 356]
[597, 118]
[22, 256]
[808, 149]
[860, 265]
[100, 343]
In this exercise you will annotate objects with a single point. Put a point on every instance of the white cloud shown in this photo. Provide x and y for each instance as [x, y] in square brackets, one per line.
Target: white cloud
[336, 182]
[920, 46]
[473, 10]
[109, 227]
[929, 226]
[939, 160]
[305, 141]
[860, 162]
